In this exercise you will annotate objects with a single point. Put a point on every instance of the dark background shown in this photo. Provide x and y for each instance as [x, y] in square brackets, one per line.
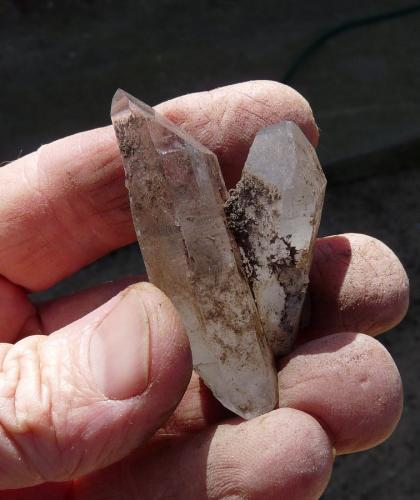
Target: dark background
[61, 61]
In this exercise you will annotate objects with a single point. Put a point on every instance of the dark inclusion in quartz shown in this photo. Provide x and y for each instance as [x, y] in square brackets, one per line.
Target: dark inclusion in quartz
[236, 267]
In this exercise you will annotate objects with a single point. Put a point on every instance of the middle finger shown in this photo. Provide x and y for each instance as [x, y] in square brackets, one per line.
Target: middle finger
[357, 284]
[347, 381]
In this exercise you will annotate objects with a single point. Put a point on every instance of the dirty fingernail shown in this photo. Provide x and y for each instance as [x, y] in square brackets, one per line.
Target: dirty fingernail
[119, 348]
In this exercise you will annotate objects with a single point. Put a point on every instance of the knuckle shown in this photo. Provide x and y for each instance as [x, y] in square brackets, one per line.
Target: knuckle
[31, 415]
[25, 395]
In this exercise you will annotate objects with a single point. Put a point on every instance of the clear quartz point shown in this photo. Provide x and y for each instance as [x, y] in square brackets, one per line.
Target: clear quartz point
[177, 198]
[274, 213]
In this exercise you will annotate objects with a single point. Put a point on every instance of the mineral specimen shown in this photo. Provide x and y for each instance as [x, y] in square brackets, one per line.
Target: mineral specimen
[177, 196]
[274, 213]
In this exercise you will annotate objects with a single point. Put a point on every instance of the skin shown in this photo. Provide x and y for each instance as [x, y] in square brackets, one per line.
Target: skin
[97, 399]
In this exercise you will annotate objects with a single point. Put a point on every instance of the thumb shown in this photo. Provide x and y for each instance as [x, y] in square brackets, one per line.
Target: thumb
[93, 391]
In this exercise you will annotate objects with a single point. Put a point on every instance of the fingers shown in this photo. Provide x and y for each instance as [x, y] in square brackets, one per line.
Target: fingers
[356, 284]
[227, 119]
[89, 394]
[350, 383]
[73, 208]
[56, 314]
[62, 207]
[19, 317]
[284, 454]
[347, 381]
[70, 205]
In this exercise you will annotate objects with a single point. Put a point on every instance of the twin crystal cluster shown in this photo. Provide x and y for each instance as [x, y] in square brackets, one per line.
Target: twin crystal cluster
[234, 264]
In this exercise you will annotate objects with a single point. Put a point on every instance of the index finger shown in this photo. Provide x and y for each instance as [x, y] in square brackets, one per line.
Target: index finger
[66, 205]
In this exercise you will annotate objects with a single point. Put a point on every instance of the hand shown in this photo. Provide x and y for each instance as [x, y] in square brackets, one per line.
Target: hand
[89, 382]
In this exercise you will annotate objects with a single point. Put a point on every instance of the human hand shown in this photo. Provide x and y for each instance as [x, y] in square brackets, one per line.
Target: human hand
[89, 383]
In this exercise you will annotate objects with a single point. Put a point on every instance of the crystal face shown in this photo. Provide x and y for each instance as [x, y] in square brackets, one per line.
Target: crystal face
[274, 213]
[177, 198]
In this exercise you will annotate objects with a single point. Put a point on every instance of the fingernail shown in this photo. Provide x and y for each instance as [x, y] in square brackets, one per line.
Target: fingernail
[119, 348]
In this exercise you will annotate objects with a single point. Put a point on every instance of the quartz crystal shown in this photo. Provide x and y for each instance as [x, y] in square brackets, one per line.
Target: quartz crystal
[177, 198]
[274, 213]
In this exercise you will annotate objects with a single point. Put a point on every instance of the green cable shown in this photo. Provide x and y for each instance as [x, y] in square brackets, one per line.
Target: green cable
[349, 25]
